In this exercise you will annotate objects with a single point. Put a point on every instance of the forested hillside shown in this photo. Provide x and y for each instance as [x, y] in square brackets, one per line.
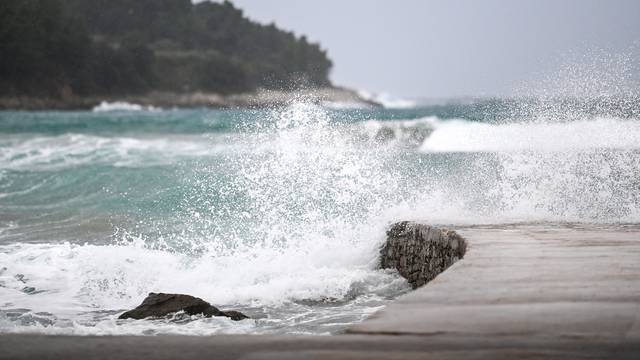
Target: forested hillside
[61, 48]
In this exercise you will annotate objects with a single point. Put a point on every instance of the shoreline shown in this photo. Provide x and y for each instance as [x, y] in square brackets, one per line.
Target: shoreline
[543, 290]
[260, 99]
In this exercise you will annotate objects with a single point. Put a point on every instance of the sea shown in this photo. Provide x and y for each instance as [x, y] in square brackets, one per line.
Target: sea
[280, 213]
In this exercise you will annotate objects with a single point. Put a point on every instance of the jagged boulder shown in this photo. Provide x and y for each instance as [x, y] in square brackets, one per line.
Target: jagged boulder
[160, 304]
[420, 252]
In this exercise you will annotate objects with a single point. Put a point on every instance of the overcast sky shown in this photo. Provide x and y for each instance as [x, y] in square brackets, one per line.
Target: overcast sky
[436, 49]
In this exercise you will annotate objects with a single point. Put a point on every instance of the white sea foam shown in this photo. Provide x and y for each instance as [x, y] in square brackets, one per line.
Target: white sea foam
[598, 133]
[82, 288]
[387, 100]
[106, 106]
[579, 171]
[343, 105]
[261, 252]
[68, 150]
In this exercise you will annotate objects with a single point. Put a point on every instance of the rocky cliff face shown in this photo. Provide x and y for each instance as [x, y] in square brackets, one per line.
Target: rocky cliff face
[420, 252]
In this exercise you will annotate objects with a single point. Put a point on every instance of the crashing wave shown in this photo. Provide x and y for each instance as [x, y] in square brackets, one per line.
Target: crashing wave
[405, 133]
[469, 136]
[343, 105]
[272, 218]
[106, 106]
[387, 100]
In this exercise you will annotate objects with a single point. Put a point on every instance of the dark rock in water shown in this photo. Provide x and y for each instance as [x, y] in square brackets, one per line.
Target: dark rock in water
[417, 135]
[159, 305]
[235, 315]
[420, 252]
[30, 290]
[411, 136]
[385, 134]
[321, 301]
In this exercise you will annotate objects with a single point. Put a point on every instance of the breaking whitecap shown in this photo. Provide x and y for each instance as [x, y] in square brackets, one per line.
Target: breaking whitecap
[276, 213]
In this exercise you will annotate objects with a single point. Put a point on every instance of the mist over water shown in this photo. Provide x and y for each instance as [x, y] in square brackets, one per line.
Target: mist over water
[278, 213]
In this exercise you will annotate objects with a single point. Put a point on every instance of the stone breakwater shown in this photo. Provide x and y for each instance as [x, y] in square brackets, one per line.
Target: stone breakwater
[420, 252]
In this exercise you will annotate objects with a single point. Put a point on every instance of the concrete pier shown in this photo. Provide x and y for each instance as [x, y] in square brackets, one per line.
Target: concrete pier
[533, 281]
[525, 291]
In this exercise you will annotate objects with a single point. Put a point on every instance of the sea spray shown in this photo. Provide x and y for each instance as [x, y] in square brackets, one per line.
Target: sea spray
[295, 221]
[298, 215]
[278, 213]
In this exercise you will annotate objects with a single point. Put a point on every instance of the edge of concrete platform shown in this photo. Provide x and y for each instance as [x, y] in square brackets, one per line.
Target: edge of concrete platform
[528, 280]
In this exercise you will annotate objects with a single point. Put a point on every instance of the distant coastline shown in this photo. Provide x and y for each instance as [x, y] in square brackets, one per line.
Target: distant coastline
[332, 96]
[153, 53]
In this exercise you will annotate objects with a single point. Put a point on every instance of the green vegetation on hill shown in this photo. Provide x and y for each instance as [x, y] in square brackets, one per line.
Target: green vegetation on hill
[59, 48]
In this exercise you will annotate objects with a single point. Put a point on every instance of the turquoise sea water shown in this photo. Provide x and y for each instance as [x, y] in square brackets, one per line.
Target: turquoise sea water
[278, 213]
